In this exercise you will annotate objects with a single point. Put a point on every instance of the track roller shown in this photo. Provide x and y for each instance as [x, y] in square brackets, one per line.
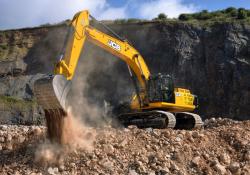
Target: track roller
[187, 120]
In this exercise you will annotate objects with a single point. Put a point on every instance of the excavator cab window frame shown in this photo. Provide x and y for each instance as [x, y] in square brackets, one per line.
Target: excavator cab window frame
[160, 88]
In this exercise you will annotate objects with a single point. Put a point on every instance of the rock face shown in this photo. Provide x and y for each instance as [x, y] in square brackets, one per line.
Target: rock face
[212, 61]
[220, 148]
[18, 50]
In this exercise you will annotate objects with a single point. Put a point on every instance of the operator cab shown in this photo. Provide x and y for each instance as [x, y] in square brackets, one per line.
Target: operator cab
[161, 88]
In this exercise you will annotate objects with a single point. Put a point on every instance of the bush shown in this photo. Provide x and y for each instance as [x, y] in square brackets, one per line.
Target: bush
[217, 14]
[45, 25]
[242, 13]
[204, 11]
[162, 16]
[120, 21]
[234, 13]
[184, 17]
[133, 20]
[229, 10]
[229, 14]
[204, 15]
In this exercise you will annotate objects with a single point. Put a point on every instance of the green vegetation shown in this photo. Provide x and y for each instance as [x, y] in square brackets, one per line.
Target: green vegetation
[226, 15]
[45, 25]
[162, 16]
[16, 103]
[242, 13]
[4, 47]
[120, 21]
[185, 17]
[204, 17]
[133, 20]
[126, 21]
[231, 11]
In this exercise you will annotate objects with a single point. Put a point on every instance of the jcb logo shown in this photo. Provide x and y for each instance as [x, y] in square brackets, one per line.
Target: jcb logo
[114, 45]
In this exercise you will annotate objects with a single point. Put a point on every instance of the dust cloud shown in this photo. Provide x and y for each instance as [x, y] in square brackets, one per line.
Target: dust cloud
[96, 74]
[49, 154]
[96, 86]
[83, 116]
[75, 136]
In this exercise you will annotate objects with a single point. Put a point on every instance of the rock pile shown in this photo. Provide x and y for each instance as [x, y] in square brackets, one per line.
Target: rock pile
[223, 147]
[12, 137]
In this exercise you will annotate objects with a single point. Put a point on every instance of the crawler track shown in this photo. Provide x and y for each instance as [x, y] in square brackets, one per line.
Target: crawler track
[154, 119]
[161, 119]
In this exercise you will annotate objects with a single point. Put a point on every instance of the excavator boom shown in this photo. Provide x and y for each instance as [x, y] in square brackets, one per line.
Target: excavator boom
[122, 49]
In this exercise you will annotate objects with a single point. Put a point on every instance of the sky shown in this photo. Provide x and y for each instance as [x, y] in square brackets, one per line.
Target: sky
[30, 13]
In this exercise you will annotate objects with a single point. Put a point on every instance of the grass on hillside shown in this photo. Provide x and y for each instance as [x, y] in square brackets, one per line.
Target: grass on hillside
[15, 102]
[204, 17]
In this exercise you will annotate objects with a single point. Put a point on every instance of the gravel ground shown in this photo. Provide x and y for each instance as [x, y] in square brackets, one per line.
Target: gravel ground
[222, 147]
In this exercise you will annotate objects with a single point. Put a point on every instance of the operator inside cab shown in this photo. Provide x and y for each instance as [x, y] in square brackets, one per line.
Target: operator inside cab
[161, 88]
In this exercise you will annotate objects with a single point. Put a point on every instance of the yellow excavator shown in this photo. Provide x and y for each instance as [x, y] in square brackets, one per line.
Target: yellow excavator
[156, 103]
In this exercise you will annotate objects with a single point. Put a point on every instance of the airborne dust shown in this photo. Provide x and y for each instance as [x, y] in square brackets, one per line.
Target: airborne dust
[75, 136]
[88, 101]
[76, 129]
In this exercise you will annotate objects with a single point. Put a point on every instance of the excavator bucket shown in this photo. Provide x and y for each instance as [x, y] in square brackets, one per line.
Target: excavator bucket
[51, 93]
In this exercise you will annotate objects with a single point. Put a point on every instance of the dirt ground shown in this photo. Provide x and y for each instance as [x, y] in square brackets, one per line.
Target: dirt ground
[222, 147]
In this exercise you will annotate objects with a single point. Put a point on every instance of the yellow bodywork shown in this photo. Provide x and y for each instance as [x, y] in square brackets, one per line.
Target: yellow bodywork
[183, 102]
[122, 49]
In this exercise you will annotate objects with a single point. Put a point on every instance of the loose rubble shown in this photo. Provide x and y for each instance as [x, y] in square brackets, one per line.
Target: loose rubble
[222, 147]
